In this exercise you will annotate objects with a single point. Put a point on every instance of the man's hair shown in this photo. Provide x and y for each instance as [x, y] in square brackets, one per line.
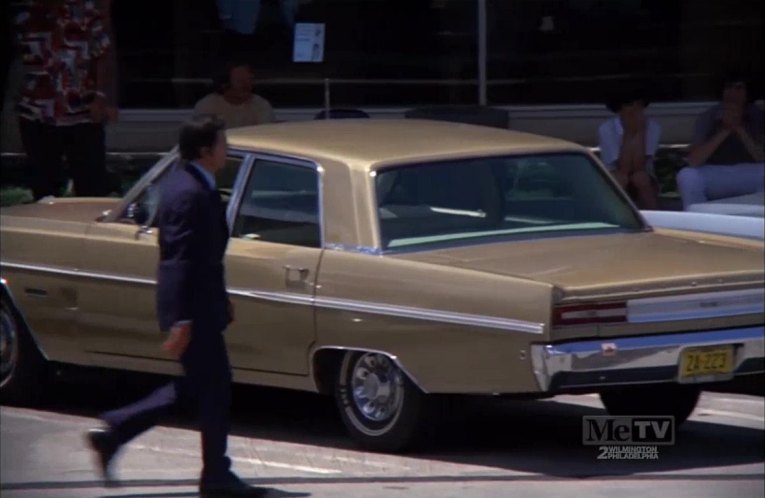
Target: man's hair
[735, 75]
[197, 133]
[627, 94]
[222, 77]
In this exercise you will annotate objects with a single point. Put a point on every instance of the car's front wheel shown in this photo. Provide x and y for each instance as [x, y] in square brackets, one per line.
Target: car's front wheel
[22, 367]
[678, 400]
[379, 404]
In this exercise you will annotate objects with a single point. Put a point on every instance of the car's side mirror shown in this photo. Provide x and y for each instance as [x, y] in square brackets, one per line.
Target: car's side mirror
[138, 213]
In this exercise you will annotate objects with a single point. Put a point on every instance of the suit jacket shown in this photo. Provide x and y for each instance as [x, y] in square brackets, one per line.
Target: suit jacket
[193, 235]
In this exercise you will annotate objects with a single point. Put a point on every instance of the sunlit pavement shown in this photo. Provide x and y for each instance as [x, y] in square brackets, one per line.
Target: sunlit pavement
[294, 444]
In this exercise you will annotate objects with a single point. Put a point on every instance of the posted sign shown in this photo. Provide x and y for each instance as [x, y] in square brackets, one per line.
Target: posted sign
[309, 42]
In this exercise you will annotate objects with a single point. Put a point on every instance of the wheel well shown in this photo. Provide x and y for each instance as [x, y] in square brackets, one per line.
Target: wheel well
[24, 329]
[326, 364]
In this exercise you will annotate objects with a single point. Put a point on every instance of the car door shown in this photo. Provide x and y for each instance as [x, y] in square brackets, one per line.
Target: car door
[272, 262]
[117, 320]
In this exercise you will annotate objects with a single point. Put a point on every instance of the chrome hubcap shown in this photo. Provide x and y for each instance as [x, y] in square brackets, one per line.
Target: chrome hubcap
[377, 387]
[9, 345]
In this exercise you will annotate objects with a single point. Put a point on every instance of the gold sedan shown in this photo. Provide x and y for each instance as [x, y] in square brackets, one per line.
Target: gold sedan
[383, 261]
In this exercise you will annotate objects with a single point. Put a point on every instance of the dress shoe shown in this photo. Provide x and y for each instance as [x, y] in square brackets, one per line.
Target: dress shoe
[229, 486]
[102, 442]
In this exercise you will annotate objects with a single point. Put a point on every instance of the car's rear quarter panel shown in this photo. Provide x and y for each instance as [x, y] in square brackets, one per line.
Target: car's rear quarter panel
[441, 357]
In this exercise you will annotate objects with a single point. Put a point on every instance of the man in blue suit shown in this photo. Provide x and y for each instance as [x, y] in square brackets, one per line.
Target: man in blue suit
[193, 307]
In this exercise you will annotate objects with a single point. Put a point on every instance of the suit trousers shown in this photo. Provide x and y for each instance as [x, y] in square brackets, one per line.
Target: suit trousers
[84, 147]
[205, 386]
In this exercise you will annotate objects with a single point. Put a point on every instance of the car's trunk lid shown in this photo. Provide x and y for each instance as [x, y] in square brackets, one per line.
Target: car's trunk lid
[614, 265]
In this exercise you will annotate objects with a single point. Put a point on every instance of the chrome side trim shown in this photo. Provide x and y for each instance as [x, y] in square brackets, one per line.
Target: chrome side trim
[393, 358]
[429, 314]
[696, 306]
[278, 297]
[321, 302]
[4, 284]
[78, 273]
[374, 251]
[393, 310]
[601, 361]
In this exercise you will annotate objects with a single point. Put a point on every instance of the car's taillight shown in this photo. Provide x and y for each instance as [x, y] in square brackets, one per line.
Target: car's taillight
[593, 313]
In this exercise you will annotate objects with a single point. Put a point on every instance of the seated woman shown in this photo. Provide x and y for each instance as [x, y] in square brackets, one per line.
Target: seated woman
[628, 143]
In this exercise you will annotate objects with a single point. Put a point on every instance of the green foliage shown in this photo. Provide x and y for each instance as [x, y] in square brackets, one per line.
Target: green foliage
[12, 195]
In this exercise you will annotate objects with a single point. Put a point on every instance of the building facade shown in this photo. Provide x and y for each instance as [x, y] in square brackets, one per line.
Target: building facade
[550, 63]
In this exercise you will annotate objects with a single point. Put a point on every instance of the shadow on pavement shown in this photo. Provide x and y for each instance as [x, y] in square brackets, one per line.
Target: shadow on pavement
[149, 483]
[538, 437]
[272, 493]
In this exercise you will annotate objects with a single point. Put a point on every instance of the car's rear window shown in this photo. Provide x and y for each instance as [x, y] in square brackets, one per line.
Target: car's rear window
[486, 198]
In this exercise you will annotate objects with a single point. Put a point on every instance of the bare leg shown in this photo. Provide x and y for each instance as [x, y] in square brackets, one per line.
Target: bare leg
[645, 189]
[622, 178]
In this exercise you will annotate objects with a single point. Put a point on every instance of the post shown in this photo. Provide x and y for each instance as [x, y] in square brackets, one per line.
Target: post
[482, 52]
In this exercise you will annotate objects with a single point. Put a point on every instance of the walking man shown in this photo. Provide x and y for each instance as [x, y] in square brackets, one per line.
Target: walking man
[193, 306]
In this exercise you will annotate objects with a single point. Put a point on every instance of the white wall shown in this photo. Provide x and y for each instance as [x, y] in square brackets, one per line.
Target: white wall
[155, 130]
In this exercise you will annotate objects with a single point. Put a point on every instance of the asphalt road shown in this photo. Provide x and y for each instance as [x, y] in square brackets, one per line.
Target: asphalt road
[294, 444]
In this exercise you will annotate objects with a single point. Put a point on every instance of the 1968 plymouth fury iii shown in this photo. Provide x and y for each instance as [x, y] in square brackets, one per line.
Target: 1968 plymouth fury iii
[383, 261]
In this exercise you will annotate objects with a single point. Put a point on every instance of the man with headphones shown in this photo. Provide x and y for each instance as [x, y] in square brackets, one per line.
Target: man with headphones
[726, 156]
[233, 100]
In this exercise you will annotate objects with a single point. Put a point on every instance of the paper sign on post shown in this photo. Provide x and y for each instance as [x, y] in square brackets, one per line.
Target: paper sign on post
[309, 42]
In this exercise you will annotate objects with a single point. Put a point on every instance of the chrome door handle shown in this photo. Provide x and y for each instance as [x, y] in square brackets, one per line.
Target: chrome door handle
[143, 230]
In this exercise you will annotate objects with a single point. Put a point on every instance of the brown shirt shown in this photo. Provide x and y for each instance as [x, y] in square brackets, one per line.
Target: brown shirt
[254, 111]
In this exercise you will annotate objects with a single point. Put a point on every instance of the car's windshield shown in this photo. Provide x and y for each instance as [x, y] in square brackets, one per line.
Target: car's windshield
[486, 198]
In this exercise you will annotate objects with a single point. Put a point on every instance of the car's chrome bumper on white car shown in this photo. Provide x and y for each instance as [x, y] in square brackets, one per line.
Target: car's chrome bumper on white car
[642, 360]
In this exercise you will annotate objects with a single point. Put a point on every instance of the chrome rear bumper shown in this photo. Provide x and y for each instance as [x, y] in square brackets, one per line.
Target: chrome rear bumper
[640, 360]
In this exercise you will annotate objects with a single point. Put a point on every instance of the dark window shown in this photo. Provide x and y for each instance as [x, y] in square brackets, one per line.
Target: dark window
[280, 204]
[576, 51]
[497, 197]
[377, 52]
[143, 210]
[414, 53]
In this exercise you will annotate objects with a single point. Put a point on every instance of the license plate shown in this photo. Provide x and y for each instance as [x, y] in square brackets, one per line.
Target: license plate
[712, 360]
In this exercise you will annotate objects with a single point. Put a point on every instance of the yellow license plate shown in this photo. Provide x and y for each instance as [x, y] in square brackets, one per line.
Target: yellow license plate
[706, 361]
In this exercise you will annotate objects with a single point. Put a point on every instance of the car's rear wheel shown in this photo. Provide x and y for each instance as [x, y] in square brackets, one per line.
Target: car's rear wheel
[678, 400]
[22, 367]
[379, 404]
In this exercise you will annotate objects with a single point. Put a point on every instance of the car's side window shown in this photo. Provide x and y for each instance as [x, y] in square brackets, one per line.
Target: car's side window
[143, 209]
[280, 203]
[534, 178]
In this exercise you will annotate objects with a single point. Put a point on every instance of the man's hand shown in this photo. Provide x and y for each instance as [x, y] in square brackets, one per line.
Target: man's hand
[633, 120]
[178, 340]
[101, 112]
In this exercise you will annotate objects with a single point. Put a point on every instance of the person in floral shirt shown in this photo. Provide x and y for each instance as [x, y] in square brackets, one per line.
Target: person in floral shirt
[66, 96]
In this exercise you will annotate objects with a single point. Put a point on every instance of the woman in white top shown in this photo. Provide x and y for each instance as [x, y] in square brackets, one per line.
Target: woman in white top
[234, 101]
[628, 142]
